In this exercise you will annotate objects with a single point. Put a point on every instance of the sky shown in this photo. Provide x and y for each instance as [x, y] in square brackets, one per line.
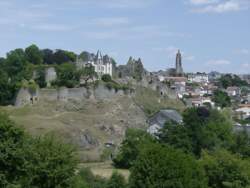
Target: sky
[211, 34]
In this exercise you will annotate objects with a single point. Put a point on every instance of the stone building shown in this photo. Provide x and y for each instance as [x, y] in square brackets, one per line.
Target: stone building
[50, 75]
[178, 64]
[102, 64]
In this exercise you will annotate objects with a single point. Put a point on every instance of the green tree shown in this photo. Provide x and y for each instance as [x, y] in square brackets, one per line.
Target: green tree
[40, 76]
[17, 66]
[106, 78]
[33, 162]
[67, 75]
[116, 181]
[162, 166]
[241, 144]
[130, 147]
[88, 73]
[224, 169]
[221, 99]
[48, 56]
[201, 129]
[34, 55]
[6, 88]
[63, 56]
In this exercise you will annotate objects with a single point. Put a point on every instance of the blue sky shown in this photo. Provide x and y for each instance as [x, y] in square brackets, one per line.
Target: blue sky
[212, 34]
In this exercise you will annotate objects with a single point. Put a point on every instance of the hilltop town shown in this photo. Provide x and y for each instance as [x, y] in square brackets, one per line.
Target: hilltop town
[109, 111]
[75, 82]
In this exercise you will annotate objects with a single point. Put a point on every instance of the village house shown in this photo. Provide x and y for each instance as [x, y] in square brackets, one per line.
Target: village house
[233, 91]
[198, 78]
[243, 111]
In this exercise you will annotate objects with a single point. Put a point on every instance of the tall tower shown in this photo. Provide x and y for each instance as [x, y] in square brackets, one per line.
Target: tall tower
[178, 66]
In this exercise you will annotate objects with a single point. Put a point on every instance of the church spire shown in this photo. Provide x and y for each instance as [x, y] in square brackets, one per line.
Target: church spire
[179, 69]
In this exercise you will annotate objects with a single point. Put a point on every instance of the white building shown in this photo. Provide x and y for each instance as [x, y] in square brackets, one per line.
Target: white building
[102, 64]
[198, 78]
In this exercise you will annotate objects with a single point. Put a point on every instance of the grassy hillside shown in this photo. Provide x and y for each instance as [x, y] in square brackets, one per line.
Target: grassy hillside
[151, 101]
[88, 124]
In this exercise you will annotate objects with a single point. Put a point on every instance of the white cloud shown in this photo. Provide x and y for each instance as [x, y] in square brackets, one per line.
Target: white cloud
[246, 65]
[243, 51]
[218, 62]
[219, 6]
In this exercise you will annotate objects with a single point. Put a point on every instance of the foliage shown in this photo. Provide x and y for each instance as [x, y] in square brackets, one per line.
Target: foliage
[116, 181]
[221, 99]
[130, 147]
[106, 78]
[7, 89]
[34, 55]
[48, 56]
[88, 73]
[17, 66]
[224, 169]
[67, 75]
[90, 181]
[33, 162]
[40, 76]
[241, 144]
[228, 80]
[116, 86]
[63, 56]
[162, 166]
[201, 129]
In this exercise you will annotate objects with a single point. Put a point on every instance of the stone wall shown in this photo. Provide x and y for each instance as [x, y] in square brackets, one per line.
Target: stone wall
[25, 97]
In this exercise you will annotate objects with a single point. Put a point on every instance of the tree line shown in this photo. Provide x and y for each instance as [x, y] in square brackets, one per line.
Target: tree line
[203, 151]
[19, 65]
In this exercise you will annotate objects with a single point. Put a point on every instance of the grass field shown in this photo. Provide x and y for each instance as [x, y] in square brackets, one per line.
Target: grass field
[104, 169]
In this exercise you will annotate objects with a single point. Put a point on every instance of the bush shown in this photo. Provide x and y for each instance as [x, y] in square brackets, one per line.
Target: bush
[106, 78]
[163, 166]
[33, 162]
[224, 169]
[116, 181]
[130, 147]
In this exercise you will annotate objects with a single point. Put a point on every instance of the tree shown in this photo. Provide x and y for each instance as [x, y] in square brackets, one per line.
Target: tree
[241, 144]
[88, 73]
[34, 55]
[63, 56]
[17, 66]
[106, 78]
[40, 76]
[33, 162]
[130, 147]
[201, 129]
[116, 181]
[228, 80]
[221, 99]
[162, 166]
[67, 75]
[224, 169]
[48, 56]
[6, 88]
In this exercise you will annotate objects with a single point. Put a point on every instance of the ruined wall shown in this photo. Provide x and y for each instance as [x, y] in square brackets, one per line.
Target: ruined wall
[25, 97]
[48, 94]
[64, 94]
